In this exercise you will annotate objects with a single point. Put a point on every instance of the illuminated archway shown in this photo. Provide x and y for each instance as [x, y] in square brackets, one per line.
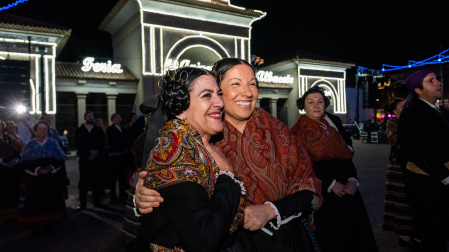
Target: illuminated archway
[198, 51]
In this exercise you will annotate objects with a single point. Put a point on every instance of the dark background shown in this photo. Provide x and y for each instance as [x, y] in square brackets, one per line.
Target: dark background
[367, 33]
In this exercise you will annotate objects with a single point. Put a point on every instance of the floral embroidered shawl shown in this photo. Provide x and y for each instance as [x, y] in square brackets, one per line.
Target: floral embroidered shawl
[266, 160]
[180, 156]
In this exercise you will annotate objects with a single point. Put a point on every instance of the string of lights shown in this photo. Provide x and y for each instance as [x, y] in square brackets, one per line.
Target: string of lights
[12, 5]
[436, 59]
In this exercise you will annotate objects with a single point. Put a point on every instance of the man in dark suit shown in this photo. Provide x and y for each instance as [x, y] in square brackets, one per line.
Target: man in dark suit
[424, 136]
[90, 145]
[117, 157]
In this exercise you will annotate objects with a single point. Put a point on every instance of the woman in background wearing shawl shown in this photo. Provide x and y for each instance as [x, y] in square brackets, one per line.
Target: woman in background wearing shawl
[281, 188]
[42, 159]
[342, 222]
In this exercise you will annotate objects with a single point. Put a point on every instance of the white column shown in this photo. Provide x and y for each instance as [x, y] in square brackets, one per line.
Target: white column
[81, 104]
[111, 105]
[258, 103]
[273, 107]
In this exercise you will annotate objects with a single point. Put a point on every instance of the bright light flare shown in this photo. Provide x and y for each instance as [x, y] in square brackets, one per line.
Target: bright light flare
[21, 109]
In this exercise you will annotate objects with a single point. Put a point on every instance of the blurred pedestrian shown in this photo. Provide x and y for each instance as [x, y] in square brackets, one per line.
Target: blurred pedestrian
[25, 128]
[397, 216]
[42, 204]
[90, 144]
[117, 158]
[53, 132]
[424, 135]
[132, 119]
[9, 175]
[11, 131]
[131, 134]
[99, 123]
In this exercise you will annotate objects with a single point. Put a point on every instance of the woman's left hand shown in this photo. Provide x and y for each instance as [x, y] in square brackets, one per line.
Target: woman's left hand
[257, 216]
[350, 187]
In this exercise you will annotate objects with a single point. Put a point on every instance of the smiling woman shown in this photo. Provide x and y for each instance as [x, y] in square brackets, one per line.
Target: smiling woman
[281, 188]
[201, 195]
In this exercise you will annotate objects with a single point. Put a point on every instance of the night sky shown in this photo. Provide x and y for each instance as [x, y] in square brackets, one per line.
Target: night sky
[368, 33]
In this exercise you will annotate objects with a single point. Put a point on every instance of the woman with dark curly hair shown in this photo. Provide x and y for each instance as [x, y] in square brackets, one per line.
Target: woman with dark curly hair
[201, 195]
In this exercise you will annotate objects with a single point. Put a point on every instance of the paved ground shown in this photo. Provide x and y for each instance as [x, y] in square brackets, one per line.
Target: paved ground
[99, 229]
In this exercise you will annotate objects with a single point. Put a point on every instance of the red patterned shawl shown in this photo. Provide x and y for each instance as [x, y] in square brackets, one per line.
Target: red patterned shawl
[320, 145]
[266, 160]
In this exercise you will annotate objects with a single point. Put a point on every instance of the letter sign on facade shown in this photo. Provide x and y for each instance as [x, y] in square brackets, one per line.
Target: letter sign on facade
[89, 64]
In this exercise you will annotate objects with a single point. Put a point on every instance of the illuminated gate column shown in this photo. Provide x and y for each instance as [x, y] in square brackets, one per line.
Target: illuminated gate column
[81, 104]
[111, 105]
[258, 103]
[273, 107]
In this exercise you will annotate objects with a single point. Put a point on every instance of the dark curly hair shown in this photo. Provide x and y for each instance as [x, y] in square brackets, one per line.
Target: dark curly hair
[176, 85]
[300, 103]
[222, 66]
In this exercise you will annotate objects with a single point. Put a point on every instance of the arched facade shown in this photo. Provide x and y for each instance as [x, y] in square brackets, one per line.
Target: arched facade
[151, 36]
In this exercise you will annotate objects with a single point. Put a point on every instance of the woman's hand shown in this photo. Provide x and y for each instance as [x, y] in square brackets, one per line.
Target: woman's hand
[350, 187]
[338, 189]
[257, 216]
[146, 199]
[219, 157]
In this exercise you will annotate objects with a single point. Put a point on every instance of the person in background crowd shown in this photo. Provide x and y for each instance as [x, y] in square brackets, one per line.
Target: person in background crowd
[99, 123]
[281, 188]
[203, 196]
[90, 145]
[11, 131]
[53, 132]
[42, 202]
[55, 135]
[25, 128]
[103, 159]
[131, 134]
[117, 158]
[342, 222]
[424, 136]
[9, 175]
[131, 120]
[397, 216]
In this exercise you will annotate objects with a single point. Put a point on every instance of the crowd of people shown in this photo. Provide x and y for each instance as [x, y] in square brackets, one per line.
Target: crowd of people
[33, 176]
[206, 170]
